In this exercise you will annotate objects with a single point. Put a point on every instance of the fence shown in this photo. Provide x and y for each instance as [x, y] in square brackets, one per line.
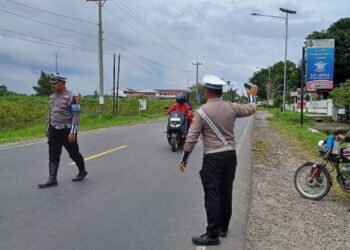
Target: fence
[320, 107]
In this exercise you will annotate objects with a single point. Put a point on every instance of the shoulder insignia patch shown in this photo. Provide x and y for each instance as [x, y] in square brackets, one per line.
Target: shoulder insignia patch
[75, 107]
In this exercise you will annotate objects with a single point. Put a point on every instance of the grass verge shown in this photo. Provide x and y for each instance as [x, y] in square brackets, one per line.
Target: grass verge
[88, 122]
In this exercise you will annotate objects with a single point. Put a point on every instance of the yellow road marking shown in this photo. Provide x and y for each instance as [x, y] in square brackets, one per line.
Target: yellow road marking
[100, 154]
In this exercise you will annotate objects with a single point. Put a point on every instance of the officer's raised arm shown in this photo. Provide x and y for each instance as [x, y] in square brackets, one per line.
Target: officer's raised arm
[243, 110]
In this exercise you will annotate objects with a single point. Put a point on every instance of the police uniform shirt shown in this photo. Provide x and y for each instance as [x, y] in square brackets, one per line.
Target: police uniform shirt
[64, 110]
[223, 114]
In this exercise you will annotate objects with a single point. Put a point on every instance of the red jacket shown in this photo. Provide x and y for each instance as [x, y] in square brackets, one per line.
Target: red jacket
[183, 108]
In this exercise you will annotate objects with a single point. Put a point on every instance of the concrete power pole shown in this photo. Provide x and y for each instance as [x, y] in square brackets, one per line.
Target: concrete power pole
[100, 51]
[56, 66]
[197, 64]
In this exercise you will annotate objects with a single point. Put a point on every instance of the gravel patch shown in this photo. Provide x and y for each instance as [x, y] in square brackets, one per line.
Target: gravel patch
[279, 218]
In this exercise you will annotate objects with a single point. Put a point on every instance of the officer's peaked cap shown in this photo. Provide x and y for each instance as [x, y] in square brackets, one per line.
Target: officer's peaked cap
[55, 77]
[213, 82]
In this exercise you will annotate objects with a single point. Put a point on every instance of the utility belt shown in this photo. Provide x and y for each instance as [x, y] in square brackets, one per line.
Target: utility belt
[218, 150]
[61, 126]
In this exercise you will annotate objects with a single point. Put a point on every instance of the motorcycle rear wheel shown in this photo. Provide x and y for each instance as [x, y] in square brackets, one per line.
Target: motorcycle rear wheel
[318, 188]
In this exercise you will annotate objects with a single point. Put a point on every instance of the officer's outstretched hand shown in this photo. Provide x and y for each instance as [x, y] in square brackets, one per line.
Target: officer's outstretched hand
[252, 91]
[72, 138]
[182, 166]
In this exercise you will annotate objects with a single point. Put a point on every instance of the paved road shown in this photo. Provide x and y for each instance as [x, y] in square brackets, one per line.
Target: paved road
[134, 197]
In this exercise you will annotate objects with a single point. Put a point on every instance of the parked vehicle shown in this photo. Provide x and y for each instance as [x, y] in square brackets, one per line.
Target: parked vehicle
[176, 130]
[314, 180]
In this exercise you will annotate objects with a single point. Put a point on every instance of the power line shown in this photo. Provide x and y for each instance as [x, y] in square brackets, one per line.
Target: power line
[143, 34]
[50, 12]
[89, 35]
[147, 59]
[142, 22]
[79, 48]
[73, 47]
[45, 23]
[46, 41]
[51, 43]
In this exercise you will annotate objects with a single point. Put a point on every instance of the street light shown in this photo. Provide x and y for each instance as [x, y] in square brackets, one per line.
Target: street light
[269, 84]
[287, 11]
[228, 86]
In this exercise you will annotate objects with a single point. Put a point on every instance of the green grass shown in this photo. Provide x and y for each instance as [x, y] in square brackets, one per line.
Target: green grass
[302, 139]
[87, 123]
[289, 125]
[24, 117]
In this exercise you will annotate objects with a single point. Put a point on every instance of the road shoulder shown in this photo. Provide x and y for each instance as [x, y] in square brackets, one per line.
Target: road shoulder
[279, 218]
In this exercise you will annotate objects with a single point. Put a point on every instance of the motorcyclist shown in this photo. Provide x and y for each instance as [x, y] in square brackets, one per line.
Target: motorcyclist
[341, 137]
[182, 107]
[344, 138]
[187, 99]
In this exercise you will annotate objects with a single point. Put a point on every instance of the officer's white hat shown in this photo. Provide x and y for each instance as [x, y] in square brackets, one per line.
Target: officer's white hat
[213, 82]
[56, 78]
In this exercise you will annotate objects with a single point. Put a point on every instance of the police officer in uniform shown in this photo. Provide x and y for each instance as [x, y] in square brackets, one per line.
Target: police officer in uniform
[215, 121]
[62, 129]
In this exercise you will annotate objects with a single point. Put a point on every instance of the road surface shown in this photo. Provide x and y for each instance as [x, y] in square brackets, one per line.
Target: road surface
[133, 198]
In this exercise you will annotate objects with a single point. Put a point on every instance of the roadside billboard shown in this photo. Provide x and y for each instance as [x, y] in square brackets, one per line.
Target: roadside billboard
[320, 64]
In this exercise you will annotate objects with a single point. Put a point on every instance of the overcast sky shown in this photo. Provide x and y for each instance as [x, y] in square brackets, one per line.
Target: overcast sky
[158, 39]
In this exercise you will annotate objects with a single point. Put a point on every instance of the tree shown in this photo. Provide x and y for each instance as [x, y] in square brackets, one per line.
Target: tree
[341, 95]
[193, 91]
[231, 95]
[3, 90]
[340, 31]
[44, 86]
[278, 103]
[261, 79]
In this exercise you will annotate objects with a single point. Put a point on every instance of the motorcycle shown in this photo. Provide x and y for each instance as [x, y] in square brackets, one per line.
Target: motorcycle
[314, 180]
[176, 134]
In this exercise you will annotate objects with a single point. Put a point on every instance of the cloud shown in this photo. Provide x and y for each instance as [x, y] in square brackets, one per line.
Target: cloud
[221, 34]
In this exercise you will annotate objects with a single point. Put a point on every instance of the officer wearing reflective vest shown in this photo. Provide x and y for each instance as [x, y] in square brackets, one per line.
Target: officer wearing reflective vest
[62, 129]
[215, 121]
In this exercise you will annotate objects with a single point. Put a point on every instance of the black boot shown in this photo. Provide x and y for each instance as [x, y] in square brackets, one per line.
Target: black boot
[80, 176]
[53, 168]
[205, 240]
[82, 171]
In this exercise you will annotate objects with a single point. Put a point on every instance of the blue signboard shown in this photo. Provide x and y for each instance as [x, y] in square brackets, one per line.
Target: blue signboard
[320, 64]
[198, 97]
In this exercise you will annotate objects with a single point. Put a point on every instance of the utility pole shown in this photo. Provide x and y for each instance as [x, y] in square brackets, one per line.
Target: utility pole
[197, 64]
[100, 51]
[113, 84]
[302, 87]
[228, 90]
[56, 65]
[118, 84]
[269, 86]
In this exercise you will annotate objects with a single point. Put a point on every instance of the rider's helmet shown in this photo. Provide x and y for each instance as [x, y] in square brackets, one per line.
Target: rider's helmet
[180, 98]
[187, 96]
